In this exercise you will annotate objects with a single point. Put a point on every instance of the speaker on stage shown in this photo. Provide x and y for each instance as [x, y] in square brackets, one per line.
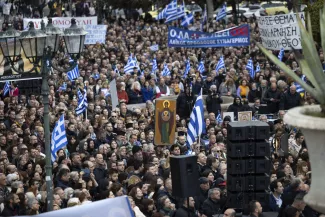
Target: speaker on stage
[185, 176]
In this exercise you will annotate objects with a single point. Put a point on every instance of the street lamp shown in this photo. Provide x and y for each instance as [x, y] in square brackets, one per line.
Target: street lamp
[40, 46]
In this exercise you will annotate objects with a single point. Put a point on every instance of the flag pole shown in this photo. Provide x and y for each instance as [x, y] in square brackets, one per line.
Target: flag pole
[206, 13]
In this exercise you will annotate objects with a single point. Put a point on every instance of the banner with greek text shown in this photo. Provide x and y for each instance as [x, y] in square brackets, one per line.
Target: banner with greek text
[62, 22]
[280, 31]
[95, 33]
[234, 37]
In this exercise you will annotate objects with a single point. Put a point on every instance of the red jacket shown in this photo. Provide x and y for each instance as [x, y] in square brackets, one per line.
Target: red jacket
[122, 95]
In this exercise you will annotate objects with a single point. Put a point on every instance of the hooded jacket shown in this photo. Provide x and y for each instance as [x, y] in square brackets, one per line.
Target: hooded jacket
[235, 108]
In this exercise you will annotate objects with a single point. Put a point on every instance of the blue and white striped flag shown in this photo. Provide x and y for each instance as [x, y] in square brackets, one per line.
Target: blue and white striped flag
[187, 20]
[220, 65]
[250, 68]
[180, 13]
[82, 104]
[154, 47]
[187, 68]
[222, 12]
[128, 68]
[219, 118]
[80, 95]
[117, 71]
[63, 87]
[299, 88]
[95, 76]
[73, 74]
[281, 54]
[6, 88]
[258, 68]
[154, 66]
[59, 138]
[196, 125]
[171, 8]
[204, 19]
[162, 14]
[166, 71]
[201, 67]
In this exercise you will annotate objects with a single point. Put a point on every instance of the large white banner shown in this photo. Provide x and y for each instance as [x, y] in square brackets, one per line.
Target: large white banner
[113, 207]
[95, 33]
[62, 22]
[280, 31]
[113, 90]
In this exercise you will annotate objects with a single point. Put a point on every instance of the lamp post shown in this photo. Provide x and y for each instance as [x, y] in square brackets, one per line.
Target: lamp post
[40, 46]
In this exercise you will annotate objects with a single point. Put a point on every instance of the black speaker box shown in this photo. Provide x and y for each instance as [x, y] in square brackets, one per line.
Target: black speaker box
[236, 167]
[240, 200]
[262, 182]
[240, 149]
[185, 176]
[235, 183]
[262, 149]
[263, 165]
[241, 183]
[248, 130]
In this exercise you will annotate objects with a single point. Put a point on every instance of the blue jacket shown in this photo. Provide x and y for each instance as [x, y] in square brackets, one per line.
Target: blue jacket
[272, 204]
[147, 94]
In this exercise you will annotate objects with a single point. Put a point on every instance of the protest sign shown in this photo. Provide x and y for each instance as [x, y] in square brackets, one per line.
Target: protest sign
[280, 31]
[95, 33]
[233, 37]
[62, 22]
[113, 91]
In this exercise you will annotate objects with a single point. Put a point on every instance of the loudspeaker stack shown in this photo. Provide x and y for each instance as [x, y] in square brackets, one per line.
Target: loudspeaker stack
[248, 163]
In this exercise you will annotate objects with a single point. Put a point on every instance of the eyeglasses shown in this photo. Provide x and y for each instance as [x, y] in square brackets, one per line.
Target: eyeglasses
[114, 116]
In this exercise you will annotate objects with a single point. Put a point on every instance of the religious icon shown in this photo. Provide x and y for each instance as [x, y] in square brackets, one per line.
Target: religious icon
[165, 122]
[245, 116]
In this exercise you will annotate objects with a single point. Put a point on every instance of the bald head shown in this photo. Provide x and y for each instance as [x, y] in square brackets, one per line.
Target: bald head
[273, 86]
[293, 89]
[229, 213]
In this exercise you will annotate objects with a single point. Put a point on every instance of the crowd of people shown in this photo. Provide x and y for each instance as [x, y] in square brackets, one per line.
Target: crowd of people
[112, 152]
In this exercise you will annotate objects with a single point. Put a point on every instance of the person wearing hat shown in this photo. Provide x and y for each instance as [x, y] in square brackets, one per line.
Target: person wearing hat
[203, 195]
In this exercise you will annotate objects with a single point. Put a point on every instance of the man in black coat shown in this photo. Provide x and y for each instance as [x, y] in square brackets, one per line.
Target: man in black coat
[211, 206]
[290, 99]
[203, 195]
[10, 207]
[184, 104]
[272, 98]
[213, 101]
[186, 210]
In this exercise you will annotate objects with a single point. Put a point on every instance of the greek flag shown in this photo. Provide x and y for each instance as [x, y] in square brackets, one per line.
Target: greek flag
[281, 54]
[187, 68]
[128, 68]
[162, 14]
[116, 70]
[187, 20]
[299, 88]
[82, 104]
[201, 67]
[154, 47]
[258, 68]
[73, 74]
[95, 76]
[197, 124]
[154, 66]
[222, 13]
[219, 119]
[171, 8]
[180, 13]
[6, 88]
[59, 138]
[204, 19]
[80, 95]
[250, 68]
[220, 65]
[63, 87]
[166, 71]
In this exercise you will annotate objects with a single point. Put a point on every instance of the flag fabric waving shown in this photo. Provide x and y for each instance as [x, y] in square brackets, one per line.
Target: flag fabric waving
[128, 68]
[154, 47]
[180, 13]
[220, 65]
[59, 138]
[258, 68]
[222, 12]
[204, 19]
[162, 14]
[196, 125]
[250, 68]
[281, 54]
[219, 119]
[187, 68]
[6, 88]
[73, 74]
[187, 20]
[166, 71]
[201, 67]
[82, 103]
[171, 8]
